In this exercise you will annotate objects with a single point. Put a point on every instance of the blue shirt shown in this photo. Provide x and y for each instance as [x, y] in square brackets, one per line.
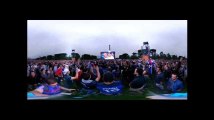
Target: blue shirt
[159, 78]
[174, 85]
[68, 81]
[49, 89]
[67, 77]
[111, 89]
[138, 82]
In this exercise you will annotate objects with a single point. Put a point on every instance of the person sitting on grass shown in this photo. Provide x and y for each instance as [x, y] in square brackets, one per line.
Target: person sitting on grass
[44, 75]
[175, 85]
[50, 72]
[33, 81]
[87, 82]
[159, 78]
[139, 81]
[51, 88]
[146, 75]
[68, 79]
[109, 86]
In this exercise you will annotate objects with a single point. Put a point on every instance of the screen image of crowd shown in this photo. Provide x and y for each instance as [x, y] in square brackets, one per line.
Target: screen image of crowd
[106, 77]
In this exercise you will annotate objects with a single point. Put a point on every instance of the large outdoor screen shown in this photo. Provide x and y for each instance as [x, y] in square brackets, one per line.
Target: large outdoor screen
[108, 55]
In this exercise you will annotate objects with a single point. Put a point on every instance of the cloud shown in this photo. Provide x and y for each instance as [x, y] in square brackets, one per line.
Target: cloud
[93, 36]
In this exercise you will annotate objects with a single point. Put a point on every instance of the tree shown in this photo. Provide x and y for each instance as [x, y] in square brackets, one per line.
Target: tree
[164, 56]
[50, 57]
[134, 56]
[174, 57]
[69, 57]
[85, 57]
[181, 57]
[93, 57]
[43, 58]
[120, 56]
[124, 56]
[77, 56]
[139, 53]
[88, 57]
[168, 56]
[161, 54]
[60, 56]
[184, 58]
[157, 56]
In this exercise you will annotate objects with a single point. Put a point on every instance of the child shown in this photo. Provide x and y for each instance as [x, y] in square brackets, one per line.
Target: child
[51, 88]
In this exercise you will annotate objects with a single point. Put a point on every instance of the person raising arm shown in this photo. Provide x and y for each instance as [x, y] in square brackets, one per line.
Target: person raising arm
[76, 76]
[98, 73]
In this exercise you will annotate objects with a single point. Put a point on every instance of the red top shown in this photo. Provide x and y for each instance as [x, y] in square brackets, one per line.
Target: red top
[59, 72]
[79, 75]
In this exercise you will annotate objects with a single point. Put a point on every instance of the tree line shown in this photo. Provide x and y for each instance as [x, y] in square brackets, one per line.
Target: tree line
[63, 56]
[154, 56]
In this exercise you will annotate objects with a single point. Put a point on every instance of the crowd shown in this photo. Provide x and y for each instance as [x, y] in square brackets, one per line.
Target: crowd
[109, 77]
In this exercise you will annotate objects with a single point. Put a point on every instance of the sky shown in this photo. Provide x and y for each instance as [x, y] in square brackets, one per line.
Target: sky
[49, 37]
